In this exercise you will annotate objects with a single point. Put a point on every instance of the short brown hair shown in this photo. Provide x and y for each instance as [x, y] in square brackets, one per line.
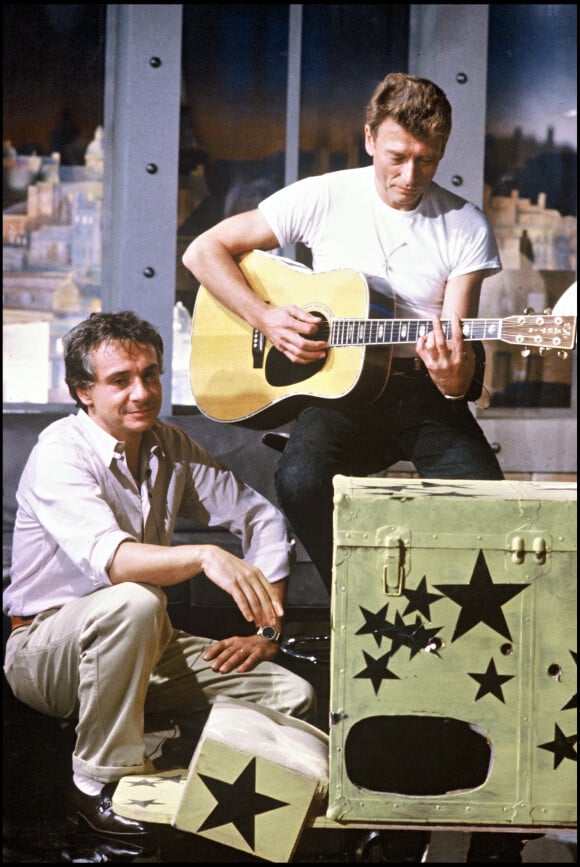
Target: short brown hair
[416, 104]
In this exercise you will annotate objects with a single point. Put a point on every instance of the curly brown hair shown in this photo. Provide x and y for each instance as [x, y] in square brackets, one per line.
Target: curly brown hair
[81, 342]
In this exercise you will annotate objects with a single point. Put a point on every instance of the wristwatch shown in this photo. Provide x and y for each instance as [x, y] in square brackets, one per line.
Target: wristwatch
[269, 632]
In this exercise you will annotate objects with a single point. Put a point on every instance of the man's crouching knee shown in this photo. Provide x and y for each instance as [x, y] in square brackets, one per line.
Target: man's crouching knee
[302, 701]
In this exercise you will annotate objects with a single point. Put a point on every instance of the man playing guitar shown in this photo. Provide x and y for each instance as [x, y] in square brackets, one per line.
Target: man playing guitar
[432, 249]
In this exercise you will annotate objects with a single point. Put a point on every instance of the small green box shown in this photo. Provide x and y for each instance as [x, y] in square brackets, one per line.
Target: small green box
[453, 653]
[255, 779]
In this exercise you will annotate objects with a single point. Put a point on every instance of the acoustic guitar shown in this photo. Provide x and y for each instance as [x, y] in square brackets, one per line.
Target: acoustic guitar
[237, 376]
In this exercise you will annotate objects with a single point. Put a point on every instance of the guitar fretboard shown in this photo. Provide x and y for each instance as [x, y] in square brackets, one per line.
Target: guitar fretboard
[536, 330]
[368, 332]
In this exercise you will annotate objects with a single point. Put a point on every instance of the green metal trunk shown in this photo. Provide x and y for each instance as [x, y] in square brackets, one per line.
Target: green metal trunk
[453, 653]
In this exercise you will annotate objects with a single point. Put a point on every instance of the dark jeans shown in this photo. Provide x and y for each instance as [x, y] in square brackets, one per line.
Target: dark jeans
[411, 421]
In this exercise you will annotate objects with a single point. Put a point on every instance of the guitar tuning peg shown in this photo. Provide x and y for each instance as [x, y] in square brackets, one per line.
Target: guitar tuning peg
[528, 311]
[542, 350]
[525, 352]
[548, 311]
[561, 353]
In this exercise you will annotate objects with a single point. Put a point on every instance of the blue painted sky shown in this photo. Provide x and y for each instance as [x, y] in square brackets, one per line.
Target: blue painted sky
[532, 73]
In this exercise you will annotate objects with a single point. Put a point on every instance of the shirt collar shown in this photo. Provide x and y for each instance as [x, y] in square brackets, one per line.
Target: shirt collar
[108, 447]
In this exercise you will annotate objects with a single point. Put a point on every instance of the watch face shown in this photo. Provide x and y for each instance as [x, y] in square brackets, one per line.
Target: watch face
[269, 632]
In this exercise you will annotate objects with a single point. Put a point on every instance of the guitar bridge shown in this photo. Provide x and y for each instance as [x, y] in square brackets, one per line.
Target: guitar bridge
[258, 346]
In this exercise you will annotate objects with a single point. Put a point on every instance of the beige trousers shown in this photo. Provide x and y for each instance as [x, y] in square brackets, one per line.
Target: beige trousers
[111, 659]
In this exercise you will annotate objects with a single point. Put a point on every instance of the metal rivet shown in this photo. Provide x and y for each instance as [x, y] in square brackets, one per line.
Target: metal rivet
[456, 180]
[155, 62]
[461, 78]
[151, 168]
[149, 271]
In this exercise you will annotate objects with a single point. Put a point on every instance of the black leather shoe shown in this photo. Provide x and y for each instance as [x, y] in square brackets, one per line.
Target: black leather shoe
[100, 851]
[97, 812]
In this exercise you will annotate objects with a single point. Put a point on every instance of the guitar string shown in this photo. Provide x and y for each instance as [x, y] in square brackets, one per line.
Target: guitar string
[387, 268]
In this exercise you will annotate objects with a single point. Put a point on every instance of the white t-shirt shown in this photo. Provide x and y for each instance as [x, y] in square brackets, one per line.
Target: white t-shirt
[344, 222]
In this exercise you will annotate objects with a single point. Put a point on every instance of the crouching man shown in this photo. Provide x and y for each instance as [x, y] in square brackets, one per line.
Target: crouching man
[91, 639]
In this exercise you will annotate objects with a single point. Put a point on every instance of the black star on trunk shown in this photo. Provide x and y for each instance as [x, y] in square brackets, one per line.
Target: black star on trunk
[481, 600]
[156, 782]
[377, 670]
[561, 746]
[420, 599]
[414, 636]
[572, 702]
[238, 803]
[375, 623]
[152, 802]
[490, 682]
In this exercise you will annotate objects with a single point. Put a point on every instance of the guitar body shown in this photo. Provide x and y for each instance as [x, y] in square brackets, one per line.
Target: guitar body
[239, 377]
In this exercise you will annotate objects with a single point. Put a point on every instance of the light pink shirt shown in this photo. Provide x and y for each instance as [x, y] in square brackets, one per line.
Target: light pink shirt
[77, 501]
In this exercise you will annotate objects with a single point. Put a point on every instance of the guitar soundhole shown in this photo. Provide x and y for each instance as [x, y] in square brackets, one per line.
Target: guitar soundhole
[280, 371]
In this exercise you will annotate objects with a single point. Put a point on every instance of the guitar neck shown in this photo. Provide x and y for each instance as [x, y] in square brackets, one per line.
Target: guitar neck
[372, 332]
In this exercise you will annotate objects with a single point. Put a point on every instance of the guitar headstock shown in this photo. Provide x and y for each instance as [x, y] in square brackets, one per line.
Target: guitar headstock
[543, 331]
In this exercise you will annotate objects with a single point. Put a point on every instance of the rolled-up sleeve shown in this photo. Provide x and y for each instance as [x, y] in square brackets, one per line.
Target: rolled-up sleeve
[79, 528]
[214, 495]
[226, 501]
